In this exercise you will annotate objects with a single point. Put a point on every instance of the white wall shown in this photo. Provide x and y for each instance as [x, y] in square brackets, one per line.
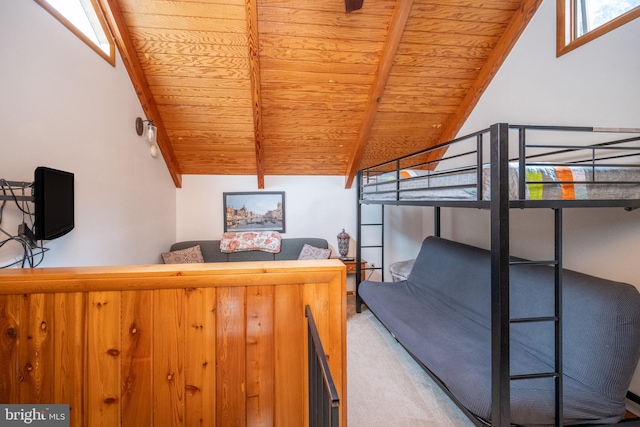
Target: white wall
[404, 233]
[594, 85]
[65, 107]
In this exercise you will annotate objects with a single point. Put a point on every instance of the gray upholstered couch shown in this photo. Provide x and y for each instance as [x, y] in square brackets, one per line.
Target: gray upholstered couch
[442, 313]
[290, 249]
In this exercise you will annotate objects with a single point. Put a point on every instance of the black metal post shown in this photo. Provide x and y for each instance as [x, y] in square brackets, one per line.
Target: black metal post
[500, 370]
[558, 314]
[522, 175]
[359, 243]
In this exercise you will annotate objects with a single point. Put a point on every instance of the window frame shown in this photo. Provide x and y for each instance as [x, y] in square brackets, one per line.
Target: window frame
[566, 41]
[109, 57]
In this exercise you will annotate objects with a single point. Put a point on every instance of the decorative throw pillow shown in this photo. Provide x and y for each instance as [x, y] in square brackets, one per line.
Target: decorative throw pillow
[311, 252]
[190, 255]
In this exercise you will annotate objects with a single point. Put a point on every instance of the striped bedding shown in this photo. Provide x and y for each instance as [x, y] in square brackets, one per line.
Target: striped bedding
[542, 183]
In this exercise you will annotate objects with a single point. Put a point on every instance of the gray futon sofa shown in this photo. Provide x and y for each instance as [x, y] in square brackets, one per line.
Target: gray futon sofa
[290, 249]
[441, 315]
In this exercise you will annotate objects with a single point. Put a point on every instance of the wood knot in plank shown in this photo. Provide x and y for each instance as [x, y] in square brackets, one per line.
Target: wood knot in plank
[11, 333]
[43, 326]
[29, 366]
[113, 352]
[110, 400]
[192, 389]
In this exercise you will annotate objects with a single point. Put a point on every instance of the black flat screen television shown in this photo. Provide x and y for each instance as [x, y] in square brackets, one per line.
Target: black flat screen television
[54, 208]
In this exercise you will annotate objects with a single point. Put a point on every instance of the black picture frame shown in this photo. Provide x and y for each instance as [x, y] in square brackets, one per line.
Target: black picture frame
[254, 211]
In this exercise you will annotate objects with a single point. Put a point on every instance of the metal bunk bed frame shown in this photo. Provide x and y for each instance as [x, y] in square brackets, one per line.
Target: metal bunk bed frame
[499, 206]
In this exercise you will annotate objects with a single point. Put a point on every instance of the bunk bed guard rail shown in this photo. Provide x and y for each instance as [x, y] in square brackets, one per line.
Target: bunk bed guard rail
[324, 402]
[567, 172]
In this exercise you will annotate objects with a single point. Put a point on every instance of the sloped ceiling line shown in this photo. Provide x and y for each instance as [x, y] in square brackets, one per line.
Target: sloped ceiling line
[396, 29]
[510, 36]
[254, 72]
[115, 20]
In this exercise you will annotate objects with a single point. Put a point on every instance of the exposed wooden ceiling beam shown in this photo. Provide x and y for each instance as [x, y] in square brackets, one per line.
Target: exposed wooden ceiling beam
[115, 20]
[254, 73]
[509, 38]
[396, 28]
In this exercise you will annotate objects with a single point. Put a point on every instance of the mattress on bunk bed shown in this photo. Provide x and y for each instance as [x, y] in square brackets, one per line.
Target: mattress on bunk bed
[441, 315]
[573, 183]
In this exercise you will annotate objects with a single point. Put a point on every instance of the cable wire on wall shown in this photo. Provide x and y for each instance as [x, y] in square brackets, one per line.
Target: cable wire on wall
[30, 249]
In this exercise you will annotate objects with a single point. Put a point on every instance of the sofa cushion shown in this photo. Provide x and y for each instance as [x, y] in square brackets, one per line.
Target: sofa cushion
[190, 255]
[210, 249]
[291, 248]
[311, 252]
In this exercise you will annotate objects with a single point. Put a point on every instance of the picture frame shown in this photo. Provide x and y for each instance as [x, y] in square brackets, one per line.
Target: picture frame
[254, 211]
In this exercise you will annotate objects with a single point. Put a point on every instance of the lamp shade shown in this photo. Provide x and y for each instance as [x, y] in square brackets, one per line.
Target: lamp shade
[151, 132]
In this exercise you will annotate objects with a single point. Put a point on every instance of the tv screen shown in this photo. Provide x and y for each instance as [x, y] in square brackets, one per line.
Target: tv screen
[53, 196]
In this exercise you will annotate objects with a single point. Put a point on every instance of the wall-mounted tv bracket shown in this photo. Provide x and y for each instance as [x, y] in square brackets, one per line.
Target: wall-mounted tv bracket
[15, 185]
[19, 186]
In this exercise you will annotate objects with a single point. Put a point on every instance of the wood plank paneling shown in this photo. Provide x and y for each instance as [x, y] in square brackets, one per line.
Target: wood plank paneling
[70, 341]
[9, 348]
[311, 59]
[260, 360]
[290, 363]
[37, 356]
[142, 346]
[231, 384]
[103, 388]
[168, 356]
[200, 358]
[137, 346]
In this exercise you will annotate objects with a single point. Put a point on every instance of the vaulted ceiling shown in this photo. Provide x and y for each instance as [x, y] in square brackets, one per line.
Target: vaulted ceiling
[301, 87]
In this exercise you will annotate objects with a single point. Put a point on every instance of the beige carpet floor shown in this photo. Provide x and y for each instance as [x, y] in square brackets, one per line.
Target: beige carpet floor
[385, 386]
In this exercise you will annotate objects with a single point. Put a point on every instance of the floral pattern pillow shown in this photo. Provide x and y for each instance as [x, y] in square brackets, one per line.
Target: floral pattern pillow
[190, 255]
[266, 241]
[311, 252]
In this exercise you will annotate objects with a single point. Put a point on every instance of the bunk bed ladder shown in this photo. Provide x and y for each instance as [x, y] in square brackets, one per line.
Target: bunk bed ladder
[378, 224]
[500, 266]
[556, 374]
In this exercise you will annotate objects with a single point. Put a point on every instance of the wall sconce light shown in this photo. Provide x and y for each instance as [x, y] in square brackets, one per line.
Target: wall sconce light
[149, 134]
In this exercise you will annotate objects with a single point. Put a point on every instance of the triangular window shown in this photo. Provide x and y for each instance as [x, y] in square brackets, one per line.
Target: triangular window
[580, 21]
[84, 18]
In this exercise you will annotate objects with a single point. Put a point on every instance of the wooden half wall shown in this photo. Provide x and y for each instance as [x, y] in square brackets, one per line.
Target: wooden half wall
[189, 345]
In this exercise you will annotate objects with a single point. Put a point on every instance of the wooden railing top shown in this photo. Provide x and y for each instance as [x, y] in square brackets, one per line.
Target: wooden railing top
[161, 276]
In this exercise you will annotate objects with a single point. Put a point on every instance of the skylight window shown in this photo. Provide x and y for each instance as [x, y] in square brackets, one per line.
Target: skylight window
[84, 19]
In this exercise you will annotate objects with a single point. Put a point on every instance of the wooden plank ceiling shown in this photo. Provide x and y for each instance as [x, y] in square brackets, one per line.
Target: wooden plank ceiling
[300, 87]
